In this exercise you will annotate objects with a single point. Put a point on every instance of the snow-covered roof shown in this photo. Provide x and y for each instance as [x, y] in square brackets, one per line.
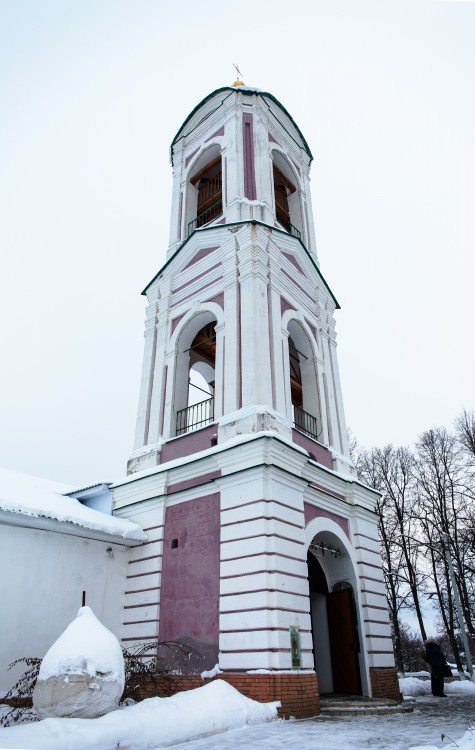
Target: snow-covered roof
[89, 487]
[25, 497]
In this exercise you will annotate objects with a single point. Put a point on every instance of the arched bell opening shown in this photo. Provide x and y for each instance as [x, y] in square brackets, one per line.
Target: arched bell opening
[304, 393]
[335, 630]
[288, 210]
[195, 375]
[205, 190]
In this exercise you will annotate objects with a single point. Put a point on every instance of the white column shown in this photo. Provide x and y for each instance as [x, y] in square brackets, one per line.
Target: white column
[219, 371]
[279, 337]
[158, 371]
[325, 438]
[286, 373]
[334, 438]
[143, 413]
[175, 218]
[255, 351]
[234, 173]
[345, 449]
[231, 379]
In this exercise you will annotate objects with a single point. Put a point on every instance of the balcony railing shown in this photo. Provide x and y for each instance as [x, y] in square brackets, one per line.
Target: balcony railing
[195, 416]
[295, 232]
[304, 422]
[283, 218]
[205, 217]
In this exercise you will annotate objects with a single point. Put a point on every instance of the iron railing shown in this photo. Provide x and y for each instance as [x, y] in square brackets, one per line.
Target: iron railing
[197, 415]
[283, 218]
[306, 423]
[204, 218]
[295, 232]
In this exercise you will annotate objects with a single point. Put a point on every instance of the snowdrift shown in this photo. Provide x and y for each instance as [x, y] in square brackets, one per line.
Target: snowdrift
[153, 723]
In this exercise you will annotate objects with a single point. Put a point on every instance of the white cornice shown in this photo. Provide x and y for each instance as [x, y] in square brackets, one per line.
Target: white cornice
[9, 518]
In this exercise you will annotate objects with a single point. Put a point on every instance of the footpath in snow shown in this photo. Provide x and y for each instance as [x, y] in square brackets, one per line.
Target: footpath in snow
[218, 717]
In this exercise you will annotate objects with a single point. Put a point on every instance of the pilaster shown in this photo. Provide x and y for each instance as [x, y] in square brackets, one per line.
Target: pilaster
[232, 359]
[255, 349]
[146, 384]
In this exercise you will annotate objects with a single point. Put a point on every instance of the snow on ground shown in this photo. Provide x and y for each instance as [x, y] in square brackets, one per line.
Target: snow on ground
[422, 728]
[156, 722]
[217, 717]
[41, 498]
[415, 686]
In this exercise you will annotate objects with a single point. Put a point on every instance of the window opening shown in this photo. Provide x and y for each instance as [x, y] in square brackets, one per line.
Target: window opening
[283, 188]
[199, 411]
[295, 376]
[209, 183]
[303, 392]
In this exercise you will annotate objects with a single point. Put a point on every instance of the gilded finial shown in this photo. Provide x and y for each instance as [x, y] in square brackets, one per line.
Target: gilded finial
[238, 81]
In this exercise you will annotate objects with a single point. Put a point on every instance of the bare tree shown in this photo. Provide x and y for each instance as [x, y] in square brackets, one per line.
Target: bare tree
[442, 511]
[427, 494]
[390, 470]
[465, 427]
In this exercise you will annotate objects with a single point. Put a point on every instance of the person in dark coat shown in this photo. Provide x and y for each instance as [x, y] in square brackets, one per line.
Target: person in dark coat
[437, 662]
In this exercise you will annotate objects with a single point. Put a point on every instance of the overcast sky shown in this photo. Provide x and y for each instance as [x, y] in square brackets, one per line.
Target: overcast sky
[92, 93]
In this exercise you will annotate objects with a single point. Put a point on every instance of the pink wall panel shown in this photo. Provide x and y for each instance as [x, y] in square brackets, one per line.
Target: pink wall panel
[192, 442]
[189, 602]
[313, 511]
[318, 452]
[248, 148]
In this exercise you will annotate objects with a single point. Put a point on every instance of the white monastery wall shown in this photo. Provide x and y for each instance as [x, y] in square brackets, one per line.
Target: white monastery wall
[42, 595]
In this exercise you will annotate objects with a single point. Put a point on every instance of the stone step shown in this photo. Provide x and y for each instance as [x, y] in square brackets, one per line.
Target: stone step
[355, 706]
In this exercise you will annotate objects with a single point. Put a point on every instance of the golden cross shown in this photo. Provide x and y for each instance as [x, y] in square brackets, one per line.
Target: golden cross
[239, 74]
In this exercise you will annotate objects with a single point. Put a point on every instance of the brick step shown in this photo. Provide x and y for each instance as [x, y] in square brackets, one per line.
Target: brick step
[363, 707]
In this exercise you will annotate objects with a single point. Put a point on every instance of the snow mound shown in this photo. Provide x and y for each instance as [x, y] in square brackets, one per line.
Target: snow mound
[415, 686]
[82, 674]
[85, 647]
[156, 722]
[207, 674]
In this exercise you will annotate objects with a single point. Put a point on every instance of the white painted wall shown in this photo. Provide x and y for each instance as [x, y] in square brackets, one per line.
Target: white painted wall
[48, 571]
[321, 636]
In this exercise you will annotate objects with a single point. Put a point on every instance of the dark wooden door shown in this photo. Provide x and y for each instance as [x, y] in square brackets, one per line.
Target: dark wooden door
[344, 645]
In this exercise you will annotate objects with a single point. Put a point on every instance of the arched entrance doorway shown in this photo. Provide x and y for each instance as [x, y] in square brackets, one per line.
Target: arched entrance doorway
[336, 643]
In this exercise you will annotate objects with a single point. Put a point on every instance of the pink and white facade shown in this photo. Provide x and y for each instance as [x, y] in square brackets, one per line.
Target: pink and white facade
[262, 547]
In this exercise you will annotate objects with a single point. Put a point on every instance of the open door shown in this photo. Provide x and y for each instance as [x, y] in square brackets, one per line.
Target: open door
[344, 643]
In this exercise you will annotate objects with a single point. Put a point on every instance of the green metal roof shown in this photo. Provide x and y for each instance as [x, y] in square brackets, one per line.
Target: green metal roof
[245, 91]
[255, 222]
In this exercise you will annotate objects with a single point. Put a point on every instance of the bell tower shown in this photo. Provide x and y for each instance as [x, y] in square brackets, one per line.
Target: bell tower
[262, 543]
[241, 303]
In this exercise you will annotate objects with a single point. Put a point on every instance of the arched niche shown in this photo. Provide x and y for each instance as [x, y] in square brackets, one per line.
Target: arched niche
[287, 203]
[204, 202]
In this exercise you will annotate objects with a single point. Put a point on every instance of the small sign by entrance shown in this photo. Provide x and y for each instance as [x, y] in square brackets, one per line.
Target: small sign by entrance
[295, 654]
